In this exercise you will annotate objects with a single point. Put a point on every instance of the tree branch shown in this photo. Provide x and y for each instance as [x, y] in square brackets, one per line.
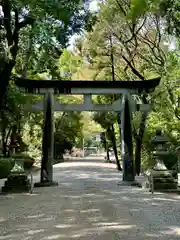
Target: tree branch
[18, 26]
[27, 21]
[134, 70]
[6, 8]
[135, 33]
[121, 8]
[15, 36]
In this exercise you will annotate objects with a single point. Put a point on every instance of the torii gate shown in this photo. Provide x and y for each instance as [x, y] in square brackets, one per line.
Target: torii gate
[125, 104]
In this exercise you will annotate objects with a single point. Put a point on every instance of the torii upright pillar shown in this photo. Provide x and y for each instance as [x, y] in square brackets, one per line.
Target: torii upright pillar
[46, 178]
[126, 139]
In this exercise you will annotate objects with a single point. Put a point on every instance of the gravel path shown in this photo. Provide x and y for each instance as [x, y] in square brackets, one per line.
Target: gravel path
[88, 204]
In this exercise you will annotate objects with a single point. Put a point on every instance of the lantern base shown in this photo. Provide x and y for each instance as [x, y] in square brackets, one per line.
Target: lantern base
[16, 183]
[163, 180]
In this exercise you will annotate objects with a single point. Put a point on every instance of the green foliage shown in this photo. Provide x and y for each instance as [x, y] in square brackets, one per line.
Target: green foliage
[89, 126]
[137, 9]
[68, 64]
[134, 33]
[6, 164]
[68, 132]
[105, 119]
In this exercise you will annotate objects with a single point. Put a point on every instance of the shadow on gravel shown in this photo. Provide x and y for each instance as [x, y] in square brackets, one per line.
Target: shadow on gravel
[88, 204]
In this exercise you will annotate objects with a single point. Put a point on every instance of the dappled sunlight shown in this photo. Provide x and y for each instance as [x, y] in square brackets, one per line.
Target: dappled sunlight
[31, 194]
[35, 216]
[45, 219]
[2, 220]
[113, 225]
[64, 226]
[83, 175]
[54, 237]
[119, 227]
[84, 164]
[172, 230]
[8, 237]
[165, 199]
[69, 210]
[153, 235]
[32, 232]
[89, 204]
[89, 210]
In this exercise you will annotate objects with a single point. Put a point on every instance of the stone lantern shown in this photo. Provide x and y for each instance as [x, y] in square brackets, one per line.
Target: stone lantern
[17, 181]
[160, 150]
[161, 179]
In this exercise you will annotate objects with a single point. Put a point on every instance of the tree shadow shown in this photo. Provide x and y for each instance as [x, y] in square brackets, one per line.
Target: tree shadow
[88, 204]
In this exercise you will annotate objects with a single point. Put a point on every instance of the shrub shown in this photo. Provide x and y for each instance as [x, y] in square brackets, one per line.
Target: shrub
[6, 164]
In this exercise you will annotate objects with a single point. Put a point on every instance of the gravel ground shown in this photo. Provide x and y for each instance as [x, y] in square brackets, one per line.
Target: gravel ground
[89, 204]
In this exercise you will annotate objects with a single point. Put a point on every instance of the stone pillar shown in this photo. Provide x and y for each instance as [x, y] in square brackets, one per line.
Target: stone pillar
[126, 140]
[47, 143]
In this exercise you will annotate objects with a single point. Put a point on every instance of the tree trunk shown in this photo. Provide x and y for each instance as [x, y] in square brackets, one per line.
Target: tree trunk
[5, 77]
[138, 139]
[138, 156]
[4, 142]
[107, 148]
[4, 149]
[12, 36]
[13, 138]
[28, 52]
[115, 148]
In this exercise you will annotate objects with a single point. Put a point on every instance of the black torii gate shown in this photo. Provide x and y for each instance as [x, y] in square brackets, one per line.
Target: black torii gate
[125, 105]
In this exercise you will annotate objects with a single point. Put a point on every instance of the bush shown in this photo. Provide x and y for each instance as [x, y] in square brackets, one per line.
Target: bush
[6, 164]
[170, 160]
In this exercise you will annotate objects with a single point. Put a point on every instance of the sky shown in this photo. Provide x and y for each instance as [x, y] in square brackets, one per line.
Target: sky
[93, 7]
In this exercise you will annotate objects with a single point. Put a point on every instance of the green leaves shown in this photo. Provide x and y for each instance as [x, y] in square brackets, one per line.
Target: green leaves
[105, 119]
[68, 64]
[137, 9]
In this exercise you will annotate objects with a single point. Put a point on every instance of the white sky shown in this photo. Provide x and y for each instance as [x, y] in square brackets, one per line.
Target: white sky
[92, 7]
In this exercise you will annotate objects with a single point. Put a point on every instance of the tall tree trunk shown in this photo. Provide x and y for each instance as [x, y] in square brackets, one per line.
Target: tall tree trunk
[113, 140]
[138, 138]
[4, 147]
[115, 98]
[12, 37]
[28, 52]
[138, 156]
[4, 83]
[13, 136]
[107, 148]
[5, 137]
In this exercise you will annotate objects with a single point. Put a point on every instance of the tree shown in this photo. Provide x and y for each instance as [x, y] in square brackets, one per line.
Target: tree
[63, 19]
[138, 32]
[68, 129]
[12, 118]
[106, 120]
